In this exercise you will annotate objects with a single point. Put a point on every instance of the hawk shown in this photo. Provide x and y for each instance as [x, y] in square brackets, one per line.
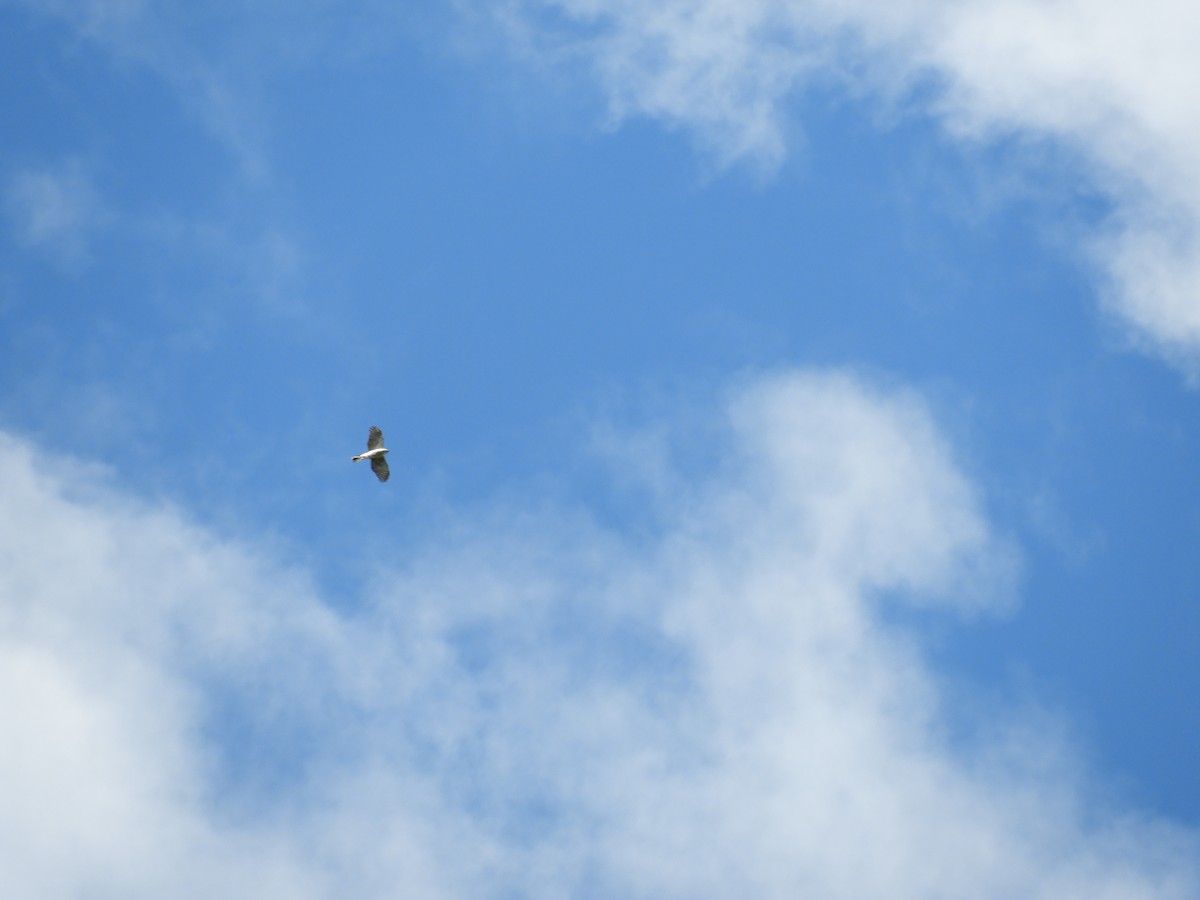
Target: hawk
[375, 453]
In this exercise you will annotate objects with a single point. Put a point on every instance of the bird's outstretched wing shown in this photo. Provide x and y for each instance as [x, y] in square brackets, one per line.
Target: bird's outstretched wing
[374, 438]
[380, 467]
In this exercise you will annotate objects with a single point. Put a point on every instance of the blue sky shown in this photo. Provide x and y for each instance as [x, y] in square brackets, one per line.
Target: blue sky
[792, 411]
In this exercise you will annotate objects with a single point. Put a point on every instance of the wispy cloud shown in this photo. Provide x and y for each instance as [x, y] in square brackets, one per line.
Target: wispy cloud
[1107, 80]
[219, 64]
[56, 209]
[533, 704]
[61, 210]
[221, 59]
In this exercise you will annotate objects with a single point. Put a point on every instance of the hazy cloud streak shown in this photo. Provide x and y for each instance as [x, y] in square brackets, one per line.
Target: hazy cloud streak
[56, 210]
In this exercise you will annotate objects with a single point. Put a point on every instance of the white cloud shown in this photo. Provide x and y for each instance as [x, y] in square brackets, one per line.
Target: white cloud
[531, 704]
[1110, 81]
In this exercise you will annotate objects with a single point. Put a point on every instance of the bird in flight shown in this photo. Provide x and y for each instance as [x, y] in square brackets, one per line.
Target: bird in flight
[375, 453]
